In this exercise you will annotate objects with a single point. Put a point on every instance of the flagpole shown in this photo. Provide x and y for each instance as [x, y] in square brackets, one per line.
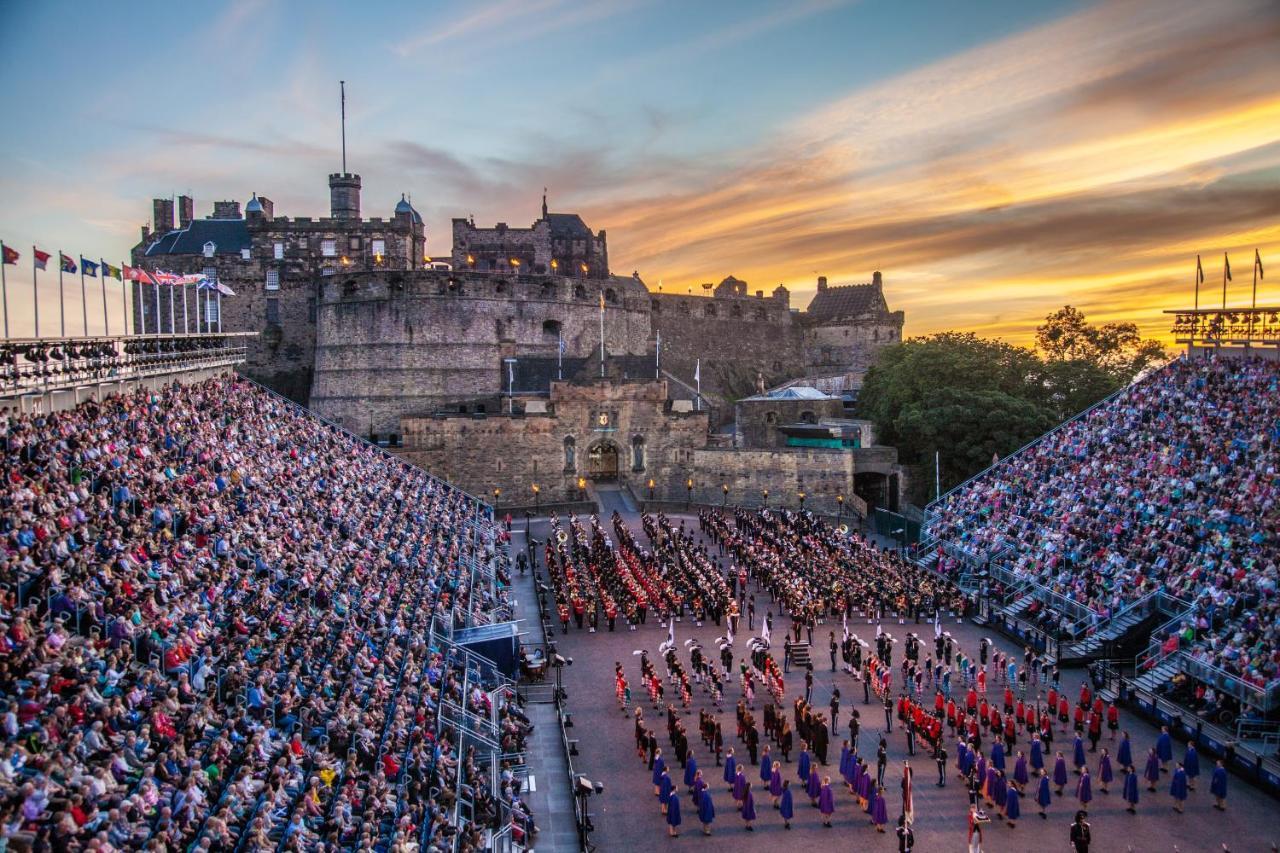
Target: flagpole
[1198, 276]
[4, 289]
[602, 334]
[186, 328]
[106, 320]
[62, 303]
[124, 297]
[157, 287]
[84, 300]
[173, 316]
[937, 475]
[35, 288]
[657, 357]
[219, 301]
[1226, 265]
[697, 377]
[1253, 308]
[559, 356]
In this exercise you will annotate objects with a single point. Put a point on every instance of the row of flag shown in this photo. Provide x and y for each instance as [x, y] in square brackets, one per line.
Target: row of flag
[67, 264]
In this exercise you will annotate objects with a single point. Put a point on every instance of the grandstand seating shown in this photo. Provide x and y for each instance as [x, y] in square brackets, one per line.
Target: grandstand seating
[1164, 500]
[226, 625]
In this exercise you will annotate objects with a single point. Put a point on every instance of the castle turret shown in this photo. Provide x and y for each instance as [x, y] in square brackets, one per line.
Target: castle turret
[344, 195]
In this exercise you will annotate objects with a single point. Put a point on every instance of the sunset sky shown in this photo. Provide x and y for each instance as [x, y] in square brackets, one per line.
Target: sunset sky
[994, 159]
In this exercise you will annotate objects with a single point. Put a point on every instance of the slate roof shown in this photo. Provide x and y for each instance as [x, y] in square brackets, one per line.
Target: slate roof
[229, 235]
[846, 301]
[569, 225]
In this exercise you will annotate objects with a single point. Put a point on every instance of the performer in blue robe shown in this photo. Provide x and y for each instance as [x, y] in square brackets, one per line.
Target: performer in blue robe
[814, 786]
[706, 812]
[802, 766]
[1078, 753]
[1020, 775]
[1043, 797]
[766, 765]
[1012, 810]
[1084, 789]
[879, 810]
[1106, 773]
[785, 806]
[690, 771]
[1164, 748]
[1000, 790]
[826, 802]
[1191, 763]
[997, 755]
[844, 759]
[989, 785]
[659, 767]
[1218, 787]
[982, 768]
[699, 784]
[664, 790]
[1131, 789]
[1037, 755]
[775, 783]
[673, 815]
[1178, 787]
[1060, 772]
[730, 769]
[964, 758]
[748, 807]
[740, 785]
[1124, 753]
[1152, 773]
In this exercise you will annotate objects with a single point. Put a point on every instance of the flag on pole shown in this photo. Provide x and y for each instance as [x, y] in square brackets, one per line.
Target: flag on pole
[40, 258]
[908, 810]
[844, 621]
[11, 255]
[89, 267]
[138, 274]
[1199, 270]
[671, 631]
[113, 272]
[560, 345]
[937, 622]
[166, 278]
[764, 630]
[66, 264]
[602, 300]
[1226, 262]
[1257, 261]
[697, 371]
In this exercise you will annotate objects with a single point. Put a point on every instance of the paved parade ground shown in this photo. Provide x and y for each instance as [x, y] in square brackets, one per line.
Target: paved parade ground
[627, 815]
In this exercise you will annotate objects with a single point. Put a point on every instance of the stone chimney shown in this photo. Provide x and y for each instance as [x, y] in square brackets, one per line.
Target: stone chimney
[226, 210]
[162, 215]
[344, 195]
[186, 210]
[268, 208]
[822, 283]
[876, 280]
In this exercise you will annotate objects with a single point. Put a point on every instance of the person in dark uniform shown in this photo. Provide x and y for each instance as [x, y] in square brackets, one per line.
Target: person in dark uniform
[832, 646]
[1081, 834]
[882, 758]
[888, 713]
[940, 756]
[866, 683]
[835, 708]
[911, 735]
[855, 726]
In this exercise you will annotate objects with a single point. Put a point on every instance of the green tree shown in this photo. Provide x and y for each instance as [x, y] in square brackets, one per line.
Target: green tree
[1117, 348]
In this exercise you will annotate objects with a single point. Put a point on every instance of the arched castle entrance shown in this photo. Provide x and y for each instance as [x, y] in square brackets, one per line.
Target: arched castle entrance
[602, 461]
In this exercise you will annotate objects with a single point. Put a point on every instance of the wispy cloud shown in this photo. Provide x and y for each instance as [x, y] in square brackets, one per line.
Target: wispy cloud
[509, 22]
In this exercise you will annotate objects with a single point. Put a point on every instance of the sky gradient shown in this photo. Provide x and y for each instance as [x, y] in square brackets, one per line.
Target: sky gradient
[994, 160]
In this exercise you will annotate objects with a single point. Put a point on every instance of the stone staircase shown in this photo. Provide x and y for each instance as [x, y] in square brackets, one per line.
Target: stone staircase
[800, 655]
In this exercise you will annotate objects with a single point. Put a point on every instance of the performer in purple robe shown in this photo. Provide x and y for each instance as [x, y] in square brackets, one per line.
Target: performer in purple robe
[1131, 789]
[1218, 787]
[1191, 763]
[802, 765]
[826, 802]
[730, 769]
[1084, 789]
[964, 759]
[1043, 797]
[664, 790]
[1178, 787]
[1078, 753]
[785, 806]
[1124, 752]
[989, 785]
[879, 810]
[690, 771]
[1106, 774]
[659, 767]
[699, 785]
[1020, 775]
[982, 769]
[1060, 772]
[748, 806]
[740, 784]
[1037, 755]
[673, 815]
[813, 787]
[1152, 773]
[706, 812]
[775, 782]
[997, 755]
[1000, 790]
[766, 765]
[1012, 811]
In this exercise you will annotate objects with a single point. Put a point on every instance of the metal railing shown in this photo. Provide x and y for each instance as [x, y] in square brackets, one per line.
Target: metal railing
[43, 365]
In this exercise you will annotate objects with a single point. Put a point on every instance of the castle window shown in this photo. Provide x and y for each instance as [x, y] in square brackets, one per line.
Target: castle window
[760, 314]
[278, 251]
[329, 248]
[210, 273]
[210, 248]
[570, 454]
[273, 279]
[735, 310]
[379, 247]
[637, 453]
[273, 312]
[212, 312]
[551, 329]
[501, 286]
[548, 290]
[771, 418]
[655, 306]
[355, 244]
[808, 418]
[579, 292]
[710, 310]
[246, 254]
[610, 296]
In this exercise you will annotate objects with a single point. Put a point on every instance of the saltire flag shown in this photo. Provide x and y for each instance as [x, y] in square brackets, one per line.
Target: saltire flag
[560, 344]
[1257, 262]
[1226, 263]
[66, 264]
[40, 259]
[10, 255]
[1199, 270]
[113, 272]
[89, 267]
[211, 284]
[138, 274]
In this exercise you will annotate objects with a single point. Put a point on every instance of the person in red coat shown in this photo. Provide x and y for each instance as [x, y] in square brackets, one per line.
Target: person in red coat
[1008, 700]
[1113, 719]
[971, 700]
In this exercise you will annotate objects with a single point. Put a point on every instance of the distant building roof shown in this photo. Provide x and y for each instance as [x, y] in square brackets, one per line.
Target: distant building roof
[568, 225]
[795, 392]
[403, 206]
[254, 206]
[847, 301]
[230, 236]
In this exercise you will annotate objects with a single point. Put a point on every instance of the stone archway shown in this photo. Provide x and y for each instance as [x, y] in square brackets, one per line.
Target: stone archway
[602, 461]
